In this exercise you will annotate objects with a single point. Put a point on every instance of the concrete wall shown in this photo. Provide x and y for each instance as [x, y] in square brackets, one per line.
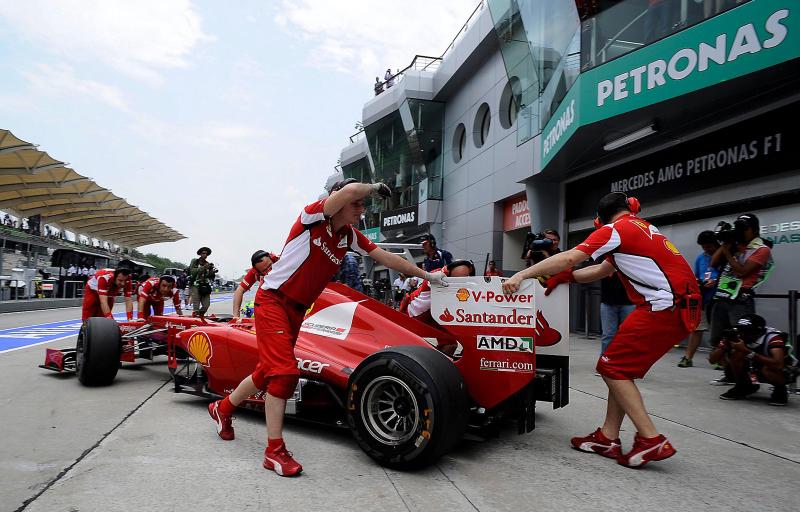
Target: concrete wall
[475, 187]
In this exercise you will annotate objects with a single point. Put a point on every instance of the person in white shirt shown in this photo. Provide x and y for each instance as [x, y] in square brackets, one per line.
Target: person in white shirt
[397, 286]
[73, 270]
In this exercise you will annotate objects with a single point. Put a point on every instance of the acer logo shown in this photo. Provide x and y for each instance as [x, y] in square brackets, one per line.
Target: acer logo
[311, 366]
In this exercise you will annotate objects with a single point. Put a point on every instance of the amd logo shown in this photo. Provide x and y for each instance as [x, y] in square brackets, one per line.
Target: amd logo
[505, 343]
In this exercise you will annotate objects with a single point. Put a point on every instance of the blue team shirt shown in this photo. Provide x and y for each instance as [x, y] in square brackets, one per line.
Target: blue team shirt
[702, 264]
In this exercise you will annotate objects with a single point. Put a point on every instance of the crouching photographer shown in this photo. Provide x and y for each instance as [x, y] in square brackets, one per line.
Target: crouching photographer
[753, 346]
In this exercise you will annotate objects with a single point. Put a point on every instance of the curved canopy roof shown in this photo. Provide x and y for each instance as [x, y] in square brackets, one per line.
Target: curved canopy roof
[34, 183]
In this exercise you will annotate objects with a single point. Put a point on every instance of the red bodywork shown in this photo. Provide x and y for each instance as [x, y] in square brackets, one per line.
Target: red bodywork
[233, 350]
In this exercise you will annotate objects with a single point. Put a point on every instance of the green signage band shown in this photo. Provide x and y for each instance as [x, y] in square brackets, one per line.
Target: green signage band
[748, 38]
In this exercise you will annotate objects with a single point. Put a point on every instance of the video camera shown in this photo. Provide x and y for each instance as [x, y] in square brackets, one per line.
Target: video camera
[726, 233]
[536, 244]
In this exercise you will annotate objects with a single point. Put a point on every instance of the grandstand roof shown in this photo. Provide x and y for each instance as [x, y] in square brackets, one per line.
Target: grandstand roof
[34, 183]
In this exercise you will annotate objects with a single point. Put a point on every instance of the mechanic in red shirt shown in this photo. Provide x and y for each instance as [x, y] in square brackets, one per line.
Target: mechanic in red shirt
[152, 294]
[102, 289]
[661, 285]
[261, 263]
[317, 243]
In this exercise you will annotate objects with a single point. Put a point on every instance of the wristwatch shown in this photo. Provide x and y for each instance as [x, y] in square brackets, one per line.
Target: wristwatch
[750, 355]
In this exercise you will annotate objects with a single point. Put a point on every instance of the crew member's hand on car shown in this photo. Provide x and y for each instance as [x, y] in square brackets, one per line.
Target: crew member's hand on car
[437, 278]
[512, 284]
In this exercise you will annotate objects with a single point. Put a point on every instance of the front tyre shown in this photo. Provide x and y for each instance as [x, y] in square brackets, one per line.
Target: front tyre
[407, 406]
[97, 351]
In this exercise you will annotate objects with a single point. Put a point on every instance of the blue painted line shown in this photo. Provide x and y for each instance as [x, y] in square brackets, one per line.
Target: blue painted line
[28, 336]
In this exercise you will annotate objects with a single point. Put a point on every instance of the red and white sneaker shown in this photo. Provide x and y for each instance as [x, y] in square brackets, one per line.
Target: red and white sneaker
[281, 462]
[597, 442]
[224, 422]
[647, 450]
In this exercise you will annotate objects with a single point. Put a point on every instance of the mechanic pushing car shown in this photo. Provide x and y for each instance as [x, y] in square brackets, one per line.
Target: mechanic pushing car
[153, 293]
[261, 262]
[317, 242]
[102, 289]
[661, 285]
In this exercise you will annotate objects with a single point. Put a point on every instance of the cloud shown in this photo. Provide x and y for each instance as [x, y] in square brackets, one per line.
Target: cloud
[139, 39]
[61, 81]
[365, 37]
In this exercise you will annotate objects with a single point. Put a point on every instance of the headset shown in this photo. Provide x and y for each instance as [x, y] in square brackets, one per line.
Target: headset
[631, 203]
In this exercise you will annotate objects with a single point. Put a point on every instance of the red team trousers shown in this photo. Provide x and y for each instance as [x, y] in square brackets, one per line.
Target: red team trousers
[277, 322]
[642, 339]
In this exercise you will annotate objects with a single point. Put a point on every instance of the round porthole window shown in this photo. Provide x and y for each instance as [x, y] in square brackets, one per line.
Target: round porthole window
[459, 142]
[480, 130]
[509, 103]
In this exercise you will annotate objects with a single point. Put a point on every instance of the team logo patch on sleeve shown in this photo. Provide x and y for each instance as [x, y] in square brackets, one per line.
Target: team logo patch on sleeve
[671, 247]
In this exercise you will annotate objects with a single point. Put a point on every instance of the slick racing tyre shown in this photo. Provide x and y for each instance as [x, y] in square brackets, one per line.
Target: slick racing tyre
[98, 351]
[407, 406]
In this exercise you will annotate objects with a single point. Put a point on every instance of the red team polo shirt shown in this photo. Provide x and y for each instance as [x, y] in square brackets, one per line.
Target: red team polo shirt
[650, 266]
[102, 282]
[149, 291]
[312, 255]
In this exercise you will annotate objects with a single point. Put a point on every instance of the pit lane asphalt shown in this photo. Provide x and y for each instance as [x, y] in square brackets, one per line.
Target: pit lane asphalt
[138, 446]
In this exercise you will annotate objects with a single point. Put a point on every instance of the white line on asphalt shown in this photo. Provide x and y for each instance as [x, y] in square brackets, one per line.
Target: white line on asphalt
[36, 344]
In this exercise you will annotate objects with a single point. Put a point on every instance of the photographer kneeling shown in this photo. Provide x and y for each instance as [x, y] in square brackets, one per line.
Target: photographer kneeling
[751, 343]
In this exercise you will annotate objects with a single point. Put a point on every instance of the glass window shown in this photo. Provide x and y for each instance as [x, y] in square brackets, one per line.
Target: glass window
[406, 148]
[631, 24]
[509, 103]
[459, 142]
[480, 130]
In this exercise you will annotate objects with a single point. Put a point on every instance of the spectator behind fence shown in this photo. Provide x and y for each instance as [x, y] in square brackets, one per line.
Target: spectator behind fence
[751, 344]
[388, 78]
[707, 278]
[435, 258]
[746, 263]
[378, 86]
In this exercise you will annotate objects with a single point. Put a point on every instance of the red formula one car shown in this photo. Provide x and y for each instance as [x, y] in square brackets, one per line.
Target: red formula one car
[368, 367]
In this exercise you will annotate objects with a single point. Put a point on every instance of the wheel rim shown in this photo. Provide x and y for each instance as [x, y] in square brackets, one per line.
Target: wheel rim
[390, 410]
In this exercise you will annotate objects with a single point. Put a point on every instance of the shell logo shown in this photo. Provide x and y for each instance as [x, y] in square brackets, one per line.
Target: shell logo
[671, 247]
[199, 347]
[462, 294]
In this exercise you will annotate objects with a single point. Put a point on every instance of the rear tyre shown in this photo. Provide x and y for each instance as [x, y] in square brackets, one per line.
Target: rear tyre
[97, 351]
[407, 406]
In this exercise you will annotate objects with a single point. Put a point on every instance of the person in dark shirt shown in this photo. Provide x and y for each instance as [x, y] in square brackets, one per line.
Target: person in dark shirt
[614, 307]
[434, 258]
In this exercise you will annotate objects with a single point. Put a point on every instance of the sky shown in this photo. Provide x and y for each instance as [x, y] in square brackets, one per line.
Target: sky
[222, 119]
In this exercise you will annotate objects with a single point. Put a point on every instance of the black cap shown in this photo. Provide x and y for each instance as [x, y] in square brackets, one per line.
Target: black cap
[748, 220]
[203, 249]
[428, 238]
[751, 322]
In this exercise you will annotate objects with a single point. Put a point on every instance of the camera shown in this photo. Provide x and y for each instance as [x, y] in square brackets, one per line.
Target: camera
[727, 233]
[535, 246]
[730, 335]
